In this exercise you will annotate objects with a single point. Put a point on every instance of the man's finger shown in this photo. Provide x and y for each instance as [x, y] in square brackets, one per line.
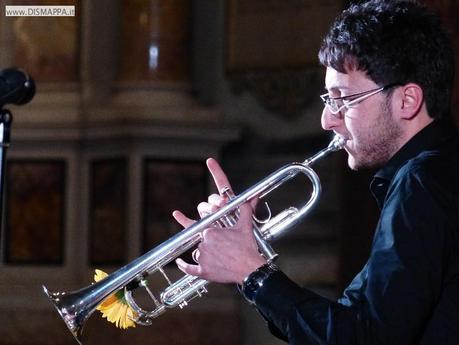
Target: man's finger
[217, 200]
[194, 270]
[245, 216]
[182, 219]
[204, 209]
[219, 176]
[254, 203]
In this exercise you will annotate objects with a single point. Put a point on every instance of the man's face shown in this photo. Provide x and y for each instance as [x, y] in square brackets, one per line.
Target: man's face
[370, 130]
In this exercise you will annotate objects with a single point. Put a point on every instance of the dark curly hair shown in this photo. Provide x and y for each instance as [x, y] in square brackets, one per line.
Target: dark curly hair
[394, 41]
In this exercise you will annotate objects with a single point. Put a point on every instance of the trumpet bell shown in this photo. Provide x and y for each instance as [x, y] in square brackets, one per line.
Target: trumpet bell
[73, 317]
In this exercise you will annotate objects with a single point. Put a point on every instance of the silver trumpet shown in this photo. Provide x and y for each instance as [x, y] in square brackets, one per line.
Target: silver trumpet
[76, 306]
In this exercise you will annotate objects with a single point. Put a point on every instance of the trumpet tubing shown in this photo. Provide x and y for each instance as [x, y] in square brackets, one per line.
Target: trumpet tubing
[75, 307]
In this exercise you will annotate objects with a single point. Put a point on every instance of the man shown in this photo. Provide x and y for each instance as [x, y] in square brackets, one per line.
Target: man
[389, 72]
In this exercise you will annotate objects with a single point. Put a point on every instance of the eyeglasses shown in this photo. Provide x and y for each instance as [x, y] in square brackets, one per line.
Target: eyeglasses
[337, 104]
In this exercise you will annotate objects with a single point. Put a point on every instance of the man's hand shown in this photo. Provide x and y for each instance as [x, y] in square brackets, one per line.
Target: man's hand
[225, 255]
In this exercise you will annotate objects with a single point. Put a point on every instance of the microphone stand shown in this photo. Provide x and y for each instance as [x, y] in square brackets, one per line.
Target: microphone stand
[5, 130]
[16, 87]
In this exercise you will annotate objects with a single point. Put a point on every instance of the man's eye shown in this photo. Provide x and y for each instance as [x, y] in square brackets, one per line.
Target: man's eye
[334, 94]
[347, 100]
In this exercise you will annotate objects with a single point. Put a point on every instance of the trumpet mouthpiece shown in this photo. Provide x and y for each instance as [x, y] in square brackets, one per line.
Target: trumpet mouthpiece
[337, 143]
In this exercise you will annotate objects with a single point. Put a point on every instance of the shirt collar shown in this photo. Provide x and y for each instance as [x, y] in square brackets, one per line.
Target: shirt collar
[429, 137]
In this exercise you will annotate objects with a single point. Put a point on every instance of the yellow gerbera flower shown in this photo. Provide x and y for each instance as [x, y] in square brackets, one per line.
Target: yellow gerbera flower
[115, 308]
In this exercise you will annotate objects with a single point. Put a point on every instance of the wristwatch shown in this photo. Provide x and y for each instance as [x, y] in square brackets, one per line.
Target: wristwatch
[254, 281]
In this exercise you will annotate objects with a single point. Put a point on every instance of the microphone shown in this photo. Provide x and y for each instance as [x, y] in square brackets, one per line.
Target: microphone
[16, 87]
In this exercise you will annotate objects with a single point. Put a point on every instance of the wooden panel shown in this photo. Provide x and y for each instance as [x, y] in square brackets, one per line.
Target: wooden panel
[108, 211]
[35, 207]
[169, 186]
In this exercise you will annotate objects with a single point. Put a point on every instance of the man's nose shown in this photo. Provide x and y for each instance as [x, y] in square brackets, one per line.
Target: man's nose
[329, 121]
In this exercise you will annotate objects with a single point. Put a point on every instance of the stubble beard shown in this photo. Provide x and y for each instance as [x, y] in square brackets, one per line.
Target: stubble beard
[379, 144]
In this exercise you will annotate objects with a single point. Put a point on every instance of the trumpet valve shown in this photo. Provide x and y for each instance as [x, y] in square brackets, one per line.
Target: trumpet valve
[275, 227]
[183, 290]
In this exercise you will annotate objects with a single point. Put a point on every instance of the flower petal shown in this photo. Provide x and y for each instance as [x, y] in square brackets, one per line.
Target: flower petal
[115, 308]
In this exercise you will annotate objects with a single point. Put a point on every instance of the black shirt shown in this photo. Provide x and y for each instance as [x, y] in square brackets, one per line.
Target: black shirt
[408, 291]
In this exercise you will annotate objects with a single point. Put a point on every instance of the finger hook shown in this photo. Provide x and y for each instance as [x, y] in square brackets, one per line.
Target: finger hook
[267, 219]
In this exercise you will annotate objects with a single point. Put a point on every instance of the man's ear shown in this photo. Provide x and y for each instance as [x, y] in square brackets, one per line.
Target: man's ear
[410, 99]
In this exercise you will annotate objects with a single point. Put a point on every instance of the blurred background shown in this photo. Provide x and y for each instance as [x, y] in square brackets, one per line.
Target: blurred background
[132, 97]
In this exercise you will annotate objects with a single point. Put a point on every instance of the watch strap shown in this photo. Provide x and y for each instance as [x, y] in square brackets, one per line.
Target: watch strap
[255, 280]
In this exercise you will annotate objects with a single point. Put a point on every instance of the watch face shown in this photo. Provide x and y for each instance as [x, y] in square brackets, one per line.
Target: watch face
[255, 280]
